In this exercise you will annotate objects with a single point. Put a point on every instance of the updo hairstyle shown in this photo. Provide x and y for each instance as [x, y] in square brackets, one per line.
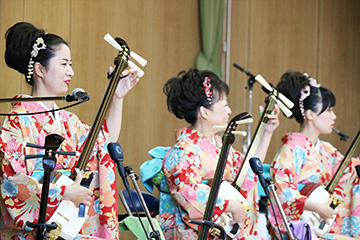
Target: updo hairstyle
[292, 83]
[185, 93]
[20, 39]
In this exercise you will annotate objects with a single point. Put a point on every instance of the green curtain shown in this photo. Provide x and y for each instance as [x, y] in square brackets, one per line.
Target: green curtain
[211, 24]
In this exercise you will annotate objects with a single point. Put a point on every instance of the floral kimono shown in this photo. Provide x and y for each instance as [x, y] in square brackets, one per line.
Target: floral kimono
[189, 167]
[20, 187]
[300, 162]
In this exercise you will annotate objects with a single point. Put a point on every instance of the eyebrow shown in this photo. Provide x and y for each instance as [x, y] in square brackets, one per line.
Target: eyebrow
[65, 59]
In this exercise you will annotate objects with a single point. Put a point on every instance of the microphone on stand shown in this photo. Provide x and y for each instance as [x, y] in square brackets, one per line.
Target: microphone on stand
[357, 168]
[343, 136]
[257, 167]
[244, 71]
[76, 95]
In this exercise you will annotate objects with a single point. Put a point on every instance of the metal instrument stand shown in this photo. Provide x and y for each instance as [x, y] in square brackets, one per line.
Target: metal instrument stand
[52, 142]
[117, 155]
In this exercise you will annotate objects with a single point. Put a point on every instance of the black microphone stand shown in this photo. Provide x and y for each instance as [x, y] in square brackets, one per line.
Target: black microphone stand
[116, 154]
[251, 81]
[227, 140]
[52, 142]
[69, 98]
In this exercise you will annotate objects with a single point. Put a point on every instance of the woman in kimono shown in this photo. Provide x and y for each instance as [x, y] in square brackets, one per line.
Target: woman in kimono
[45, 61]
[200, 98]
[304, 159]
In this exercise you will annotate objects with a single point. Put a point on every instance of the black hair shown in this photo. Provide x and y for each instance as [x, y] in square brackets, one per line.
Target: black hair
[185, 93]
[20, 39]
[291, 83]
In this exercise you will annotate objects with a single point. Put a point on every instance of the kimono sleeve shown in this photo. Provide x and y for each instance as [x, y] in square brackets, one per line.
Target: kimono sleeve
[183, 169]
[20, 193]
[285, 174]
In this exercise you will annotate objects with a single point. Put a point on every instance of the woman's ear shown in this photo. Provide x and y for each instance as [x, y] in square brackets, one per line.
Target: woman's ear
[39, 69]
[310, 114]
[204, 113]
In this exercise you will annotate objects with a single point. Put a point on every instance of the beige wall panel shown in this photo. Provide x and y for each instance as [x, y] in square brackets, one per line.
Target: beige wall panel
[339, 61]
[283, 36]
[12, 82]
[239, 45]
[149, 29]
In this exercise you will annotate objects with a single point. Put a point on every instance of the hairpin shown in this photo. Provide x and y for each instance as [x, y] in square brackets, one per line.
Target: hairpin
[207, 89]
[305, 92]
[38, 45]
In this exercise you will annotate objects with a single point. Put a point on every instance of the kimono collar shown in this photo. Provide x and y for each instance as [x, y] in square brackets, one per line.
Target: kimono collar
[38, 107]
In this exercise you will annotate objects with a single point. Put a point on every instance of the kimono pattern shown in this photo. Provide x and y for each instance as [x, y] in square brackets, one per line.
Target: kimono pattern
[189, 167]
[20, 187]
[300, 162]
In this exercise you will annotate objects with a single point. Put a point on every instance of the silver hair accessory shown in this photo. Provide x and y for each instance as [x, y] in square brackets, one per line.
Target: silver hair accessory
[38, 45]
[305, 92]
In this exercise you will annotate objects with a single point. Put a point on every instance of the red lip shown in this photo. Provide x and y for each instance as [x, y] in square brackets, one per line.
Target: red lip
[67, 82]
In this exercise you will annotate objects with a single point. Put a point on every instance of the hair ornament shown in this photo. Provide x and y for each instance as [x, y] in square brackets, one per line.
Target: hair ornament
[207, 89]
[305, 92]
[38, 45]
[313, 81]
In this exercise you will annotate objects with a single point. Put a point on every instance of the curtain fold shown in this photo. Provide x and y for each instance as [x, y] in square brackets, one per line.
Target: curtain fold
[211, 25]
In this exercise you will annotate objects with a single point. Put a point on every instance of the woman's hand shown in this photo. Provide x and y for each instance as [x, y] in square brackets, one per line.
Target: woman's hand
[126, 83]
[78, 194]
[238, 213]
[324, 210]
[273, 122]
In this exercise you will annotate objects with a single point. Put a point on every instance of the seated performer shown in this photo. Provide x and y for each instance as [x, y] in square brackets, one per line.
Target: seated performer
[200, 98]
[304, 159]
[45, 61]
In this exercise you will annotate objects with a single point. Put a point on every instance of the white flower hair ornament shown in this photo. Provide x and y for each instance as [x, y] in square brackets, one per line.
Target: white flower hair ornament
[38, 45]
[305, 92]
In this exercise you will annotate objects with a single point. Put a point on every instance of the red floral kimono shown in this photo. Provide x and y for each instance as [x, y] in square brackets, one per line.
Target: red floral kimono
[189, 168]
[300, 162]
[20, 187]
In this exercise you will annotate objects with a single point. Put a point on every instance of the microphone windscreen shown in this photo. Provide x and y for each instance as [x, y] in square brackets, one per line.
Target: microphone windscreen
[256, 165]
[115, 151]
[357, 168]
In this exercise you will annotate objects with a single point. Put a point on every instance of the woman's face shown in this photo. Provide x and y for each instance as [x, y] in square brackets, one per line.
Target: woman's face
[57, 75]
[220, 112]
[325, 121]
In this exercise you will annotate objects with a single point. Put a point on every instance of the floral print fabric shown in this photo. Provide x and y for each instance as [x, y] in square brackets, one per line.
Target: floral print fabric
[20, 187]
[298, 163]
[189, 167]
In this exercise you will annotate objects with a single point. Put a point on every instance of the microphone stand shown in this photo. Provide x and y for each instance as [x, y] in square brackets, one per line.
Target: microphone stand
[251, 81]
[116, 153]
[133, 177]
[271, 186]
[69, 98]
[52, 142]
[227, 140]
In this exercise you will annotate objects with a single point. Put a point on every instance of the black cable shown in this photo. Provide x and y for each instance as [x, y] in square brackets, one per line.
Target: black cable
[35, 113]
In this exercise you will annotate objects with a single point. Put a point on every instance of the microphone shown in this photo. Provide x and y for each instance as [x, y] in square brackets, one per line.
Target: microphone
[343, 136]
[117, 155]
[76, 95]
[115, 151]
[257, 167]
[244, 71]
[357, 168]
